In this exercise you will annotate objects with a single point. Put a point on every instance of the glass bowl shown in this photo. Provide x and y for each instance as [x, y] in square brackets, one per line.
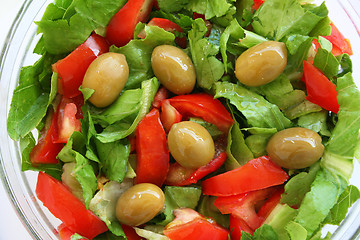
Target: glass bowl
[20, 186]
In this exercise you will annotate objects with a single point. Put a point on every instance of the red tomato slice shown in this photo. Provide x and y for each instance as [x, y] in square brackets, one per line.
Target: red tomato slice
[244, 206]
[340, 44]
[160, 96]
[71, 69]
[169, 115]
[257, 4]
[270, 204]
[167, 25]
[130, 233]
[180, 176]
[67, 122]
[151, 150]
[45, 151]
[320, 90]
[65, 206]
[190, 225]
[65, 233]
[204, 106]
[236, 226]
[121, 28]
[257, 174]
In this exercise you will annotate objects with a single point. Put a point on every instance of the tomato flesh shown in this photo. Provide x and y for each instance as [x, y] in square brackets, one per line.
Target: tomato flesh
[204, 106]
[237, 225]
[71, 69]
[169, 115]
[121, 28]
[65, 206]
[151, 150]
[320, 90]
[246, 178]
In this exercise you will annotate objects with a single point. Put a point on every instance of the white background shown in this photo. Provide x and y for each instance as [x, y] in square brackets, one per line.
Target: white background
[10, 225]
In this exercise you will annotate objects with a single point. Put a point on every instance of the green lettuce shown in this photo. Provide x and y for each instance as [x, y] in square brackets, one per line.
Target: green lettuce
[125, 127]
[67, 24]
[257, 111]
[138, 53]
[30, 101]
[208, 68]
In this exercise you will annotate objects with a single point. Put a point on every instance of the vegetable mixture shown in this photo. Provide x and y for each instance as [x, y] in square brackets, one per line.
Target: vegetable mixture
[179, 119]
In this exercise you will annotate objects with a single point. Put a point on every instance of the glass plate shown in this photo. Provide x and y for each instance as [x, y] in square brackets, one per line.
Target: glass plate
[20, 186]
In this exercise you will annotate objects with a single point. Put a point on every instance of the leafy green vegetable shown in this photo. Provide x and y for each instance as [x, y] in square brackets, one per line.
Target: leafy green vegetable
[208, 68]
[258, 111]
[122, 129]
[138, 53]
[325, 60]
[210, 8]
[179, 197]
[207, 208]
[104, 204]
[30, 102]
[27, 143]
[265, 232]
[316, 121]
[346, 200]
[66, 26]
[113, 157]
[238, 152]
[271, 21]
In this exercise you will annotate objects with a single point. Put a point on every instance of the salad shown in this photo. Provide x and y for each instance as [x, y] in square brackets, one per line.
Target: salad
[179, 119]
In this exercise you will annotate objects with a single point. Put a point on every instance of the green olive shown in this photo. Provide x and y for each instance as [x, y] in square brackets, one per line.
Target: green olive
[261, 63]
[174, 69]
[295, 148]
[107, 76]
[139, 204]
[190, 144]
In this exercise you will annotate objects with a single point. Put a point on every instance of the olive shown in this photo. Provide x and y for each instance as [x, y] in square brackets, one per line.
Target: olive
[139, 204]
[174, 69]
[190, 144]
[107, 76]
[295, 148]
[261, 63]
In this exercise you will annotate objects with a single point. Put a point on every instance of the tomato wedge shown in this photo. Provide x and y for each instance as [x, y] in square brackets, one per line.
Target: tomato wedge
[65, 233]
[258, 173]
[237, 225]
[340, 44]
[204, 106]
[65, 206]
[169, 115]
[68, 114]
[45, 151]
[71, 69]
[190, 225]
[169, 26]
[320, 90]
[243, 206]
[130, 233]
[270, 204]
[257, 4]
[160, 96]
[121, 27]
[151, 150]
[180, 176]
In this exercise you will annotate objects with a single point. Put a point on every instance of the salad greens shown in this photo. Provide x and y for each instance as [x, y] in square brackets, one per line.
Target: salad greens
[321, 193]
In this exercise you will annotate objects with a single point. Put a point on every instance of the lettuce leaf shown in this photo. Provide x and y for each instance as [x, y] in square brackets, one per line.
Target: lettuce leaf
[125, 127]
[65, 26]
[138, 54]
[30, 100]
[208, 68]
[257, 111]
[279, 18]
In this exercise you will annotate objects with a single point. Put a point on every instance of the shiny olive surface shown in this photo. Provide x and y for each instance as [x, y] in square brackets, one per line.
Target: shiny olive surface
[190, 144]
[139, 204]
[261, 63]
[107, 75]
[174, 69]
[295, 148]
